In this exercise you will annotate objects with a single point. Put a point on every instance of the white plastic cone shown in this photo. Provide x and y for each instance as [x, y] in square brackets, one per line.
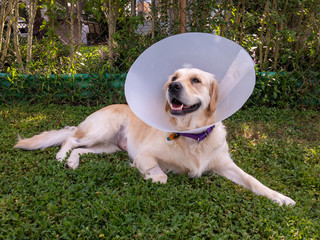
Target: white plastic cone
[229, 62]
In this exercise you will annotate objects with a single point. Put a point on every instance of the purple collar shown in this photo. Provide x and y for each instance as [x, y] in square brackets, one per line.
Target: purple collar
[196, 136]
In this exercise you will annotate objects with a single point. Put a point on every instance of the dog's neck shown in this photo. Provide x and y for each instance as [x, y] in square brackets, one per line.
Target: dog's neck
[191, 122]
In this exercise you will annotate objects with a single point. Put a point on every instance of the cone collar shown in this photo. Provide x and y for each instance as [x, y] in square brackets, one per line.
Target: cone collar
[229, 62]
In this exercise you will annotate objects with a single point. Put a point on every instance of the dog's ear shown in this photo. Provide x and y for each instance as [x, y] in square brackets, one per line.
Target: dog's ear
[213, 96]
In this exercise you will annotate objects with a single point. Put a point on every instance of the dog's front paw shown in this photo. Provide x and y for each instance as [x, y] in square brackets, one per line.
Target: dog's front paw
[60, 156]
[158, 178]
[282, 199]
[157, 175]
[72, 163]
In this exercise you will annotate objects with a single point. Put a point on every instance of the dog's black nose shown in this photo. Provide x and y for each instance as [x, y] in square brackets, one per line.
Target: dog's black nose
[175, 87]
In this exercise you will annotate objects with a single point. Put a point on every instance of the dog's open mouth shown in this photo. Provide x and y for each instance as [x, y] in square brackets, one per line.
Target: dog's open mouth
[178, 108]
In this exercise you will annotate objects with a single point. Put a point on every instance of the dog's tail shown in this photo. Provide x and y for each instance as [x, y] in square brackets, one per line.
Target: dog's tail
[46, 139]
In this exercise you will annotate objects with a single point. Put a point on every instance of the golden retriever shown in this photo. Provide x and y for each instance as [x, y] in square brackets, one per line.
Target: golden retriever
[191, 96]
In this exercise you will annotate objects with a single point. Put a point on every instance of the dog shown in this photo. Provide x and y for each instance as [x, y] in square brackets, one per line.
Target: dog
[191, 96]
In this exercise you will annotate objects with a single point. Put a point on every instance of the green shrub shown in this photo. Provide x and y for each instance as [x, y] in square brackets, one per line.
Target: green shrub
[83, 89]
[283, 90]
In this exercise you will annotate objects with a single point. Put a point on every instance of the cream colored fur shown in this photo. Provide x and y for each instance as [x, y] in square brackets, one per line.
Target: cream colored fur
[116, 128]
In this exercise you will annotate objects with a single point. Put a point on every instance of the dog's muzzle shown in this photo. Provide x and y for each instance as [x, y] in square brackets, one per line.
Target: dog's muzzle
[177, 107]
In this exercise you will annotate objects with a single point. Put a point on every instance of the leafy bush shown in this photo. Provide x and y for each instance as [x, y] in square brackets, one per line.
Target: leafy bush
[280, 90]
[285, 90]
[82, 89]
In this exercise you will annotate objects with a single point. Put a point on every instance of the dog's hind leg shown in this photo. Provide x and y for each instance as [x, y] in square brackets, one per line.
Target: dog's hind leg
[108, 142]
[74, 158]
[104, 129]
[80, 143]
[67, 146]
[83, 137]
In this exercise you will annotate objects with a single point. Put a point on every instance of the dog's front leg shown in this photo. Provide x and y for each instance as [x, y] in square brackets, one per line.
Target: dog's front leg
[149, 167]
[237, 175]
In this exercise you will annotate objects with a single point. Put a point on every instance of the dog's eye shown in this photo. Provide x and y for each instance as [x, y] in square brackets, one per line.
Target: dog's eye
[195, 80]
[174, 78]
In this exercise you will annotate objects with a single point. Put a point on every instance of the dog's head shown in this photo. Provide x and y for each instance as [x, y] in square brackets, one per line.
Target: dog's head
[191, 96]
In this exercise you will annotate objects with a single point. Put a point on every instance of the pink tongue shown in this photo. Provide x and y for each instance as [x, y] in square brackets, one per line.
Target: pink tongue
[179, 107]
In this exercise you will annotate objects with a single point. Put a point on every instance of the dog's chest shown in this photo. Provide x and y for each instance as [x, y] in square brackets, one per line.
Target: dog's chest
[192, 158]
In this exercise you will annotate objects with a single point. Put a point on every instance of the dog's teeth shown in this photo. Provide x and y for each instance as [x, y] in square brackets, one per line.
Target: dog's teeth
[177, 108]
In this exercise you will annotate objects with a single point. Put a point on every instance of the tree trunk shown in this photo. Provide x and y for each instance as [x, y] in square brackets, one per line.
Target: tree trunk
[79, 29]
[79, 11]
[3, 17]
[32, 14]
[264, 16]
[153, 19]
[239, 22]
[16, 35]
[133, 8]
[183, 12]
[8, 12]
[112, 29]
[300, 30]
[111, 12]
[226, 18]
[72, 35]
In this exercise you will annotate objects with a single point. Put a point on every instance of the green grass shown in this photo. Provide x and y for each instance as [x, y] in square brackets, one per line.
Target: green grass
[105, 198]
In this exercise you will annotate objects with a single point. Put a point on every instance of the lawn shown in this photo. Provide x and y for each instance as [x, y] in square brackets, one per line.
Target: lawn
[105, 198]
